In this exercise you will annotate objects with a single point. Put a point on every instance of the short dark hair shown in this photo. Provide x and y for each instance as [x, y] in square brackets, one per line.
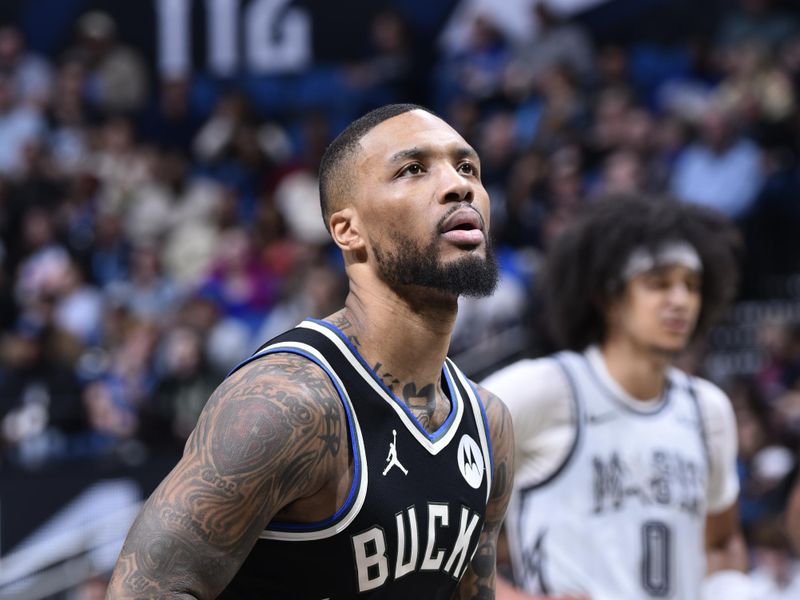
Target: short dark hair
[334, 181]
[583, 267]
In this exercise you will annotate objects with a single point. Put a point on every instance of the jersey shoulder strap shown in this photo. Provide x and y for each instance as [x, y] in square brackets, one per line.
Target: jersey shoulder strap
[295, 340]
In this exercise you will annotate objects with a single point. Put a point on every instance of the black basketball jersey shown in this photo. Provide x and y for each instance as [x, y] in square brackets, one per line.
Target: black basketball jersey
[415, 510]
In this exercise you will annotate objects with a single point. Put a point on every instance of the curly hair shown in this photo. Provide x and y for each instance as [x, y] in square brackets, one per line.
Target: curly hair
[583, 268]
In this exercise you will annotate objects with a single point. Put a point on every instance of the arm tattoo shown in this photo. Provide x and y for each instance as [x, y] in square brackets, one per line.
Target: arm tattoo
[478, 582]
[270, 434]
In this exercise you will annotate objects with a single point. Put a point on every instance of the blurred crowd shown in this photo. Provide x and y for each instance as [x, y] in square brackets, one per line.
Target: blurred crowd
[155, 231]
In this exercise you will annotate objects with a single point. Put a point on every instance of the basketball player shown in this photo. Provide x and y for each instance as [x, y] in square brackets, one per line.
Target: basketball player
[349, 457]
[625, 465]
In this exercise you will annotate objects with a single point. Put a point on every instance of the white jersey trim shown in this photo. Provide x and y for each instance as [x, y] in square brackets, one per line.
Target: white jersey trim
[561, 360]
[457, 408]
[358, 502]
[481, 425]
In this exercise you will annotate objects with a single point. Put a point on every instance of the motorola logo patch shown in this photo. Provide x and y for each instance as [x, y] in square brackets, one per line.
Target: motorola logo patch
[470, 461]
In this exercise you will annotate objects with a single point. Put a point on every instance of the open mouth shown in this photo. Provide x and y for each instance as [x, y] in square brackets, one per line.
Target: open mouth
[676, 325]
[463, 227]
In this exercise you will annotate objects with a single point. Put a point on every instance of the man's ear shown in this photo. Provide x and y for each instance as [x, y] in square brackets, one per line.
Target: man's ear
[346, 230]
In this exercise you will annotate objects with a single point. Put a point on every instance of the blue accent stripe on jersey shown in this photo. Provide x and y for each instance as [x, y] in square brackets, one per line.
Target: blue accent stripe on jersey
[431, 436]
[280, 526]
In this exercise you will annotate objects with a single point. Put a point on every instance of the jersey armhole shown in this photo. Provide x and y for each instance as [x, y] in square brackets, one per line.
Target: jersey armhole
[330, 525]
[701, 423]
[577, 412]
[469, 393]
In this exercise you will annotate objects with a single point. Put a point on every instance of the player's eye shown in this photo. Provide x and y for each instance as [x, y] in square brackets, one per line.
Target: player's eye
[694, 284]
[656, 282]
[412, 169]
[468, 168]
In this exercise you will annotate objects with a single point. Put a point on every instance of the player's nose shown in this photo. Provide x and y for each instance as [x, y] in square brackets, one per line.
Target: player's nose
[455, 186]
[680, 293]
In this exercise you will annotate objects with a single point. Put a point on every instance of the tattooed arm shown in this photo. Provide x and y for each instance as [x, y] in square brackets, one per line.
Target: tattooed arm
[478, 582]
[269, 436]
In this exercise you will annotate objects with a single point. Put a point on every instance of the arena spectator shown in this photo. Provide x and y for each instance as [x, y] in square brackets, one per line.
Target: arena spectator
[70, 119]
[756, 20]
[185, 382]
[385, 74]
[171, 120]
[556, 44]
[239, 281]
[117, 79]
[39, 397]
[147, 293]
[20, 125]
[475, 67]
[78, 305]
[31, 74]
[722, 169]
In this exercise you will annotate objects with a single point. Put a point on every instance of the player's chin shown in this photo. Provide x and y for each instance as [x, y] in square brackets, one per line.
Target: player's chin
[673, 344]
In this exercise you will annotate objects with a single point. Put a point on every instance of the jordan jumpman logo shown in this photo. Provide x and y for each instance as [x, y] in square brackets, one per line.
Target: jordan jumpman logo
[392, 458]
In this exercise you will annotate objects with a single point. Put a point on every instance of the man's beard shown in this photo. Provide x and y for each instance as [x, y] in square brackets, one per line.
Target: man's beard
[409, 264]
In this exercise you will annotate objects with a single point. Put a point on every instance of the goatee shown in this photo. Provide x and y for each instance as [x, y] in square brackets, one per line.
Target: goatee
[470, 275]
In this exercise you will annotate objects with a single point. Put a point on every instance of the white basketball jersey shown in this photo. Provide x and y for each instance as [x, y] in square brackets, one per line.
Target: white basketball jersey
[624, 516]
